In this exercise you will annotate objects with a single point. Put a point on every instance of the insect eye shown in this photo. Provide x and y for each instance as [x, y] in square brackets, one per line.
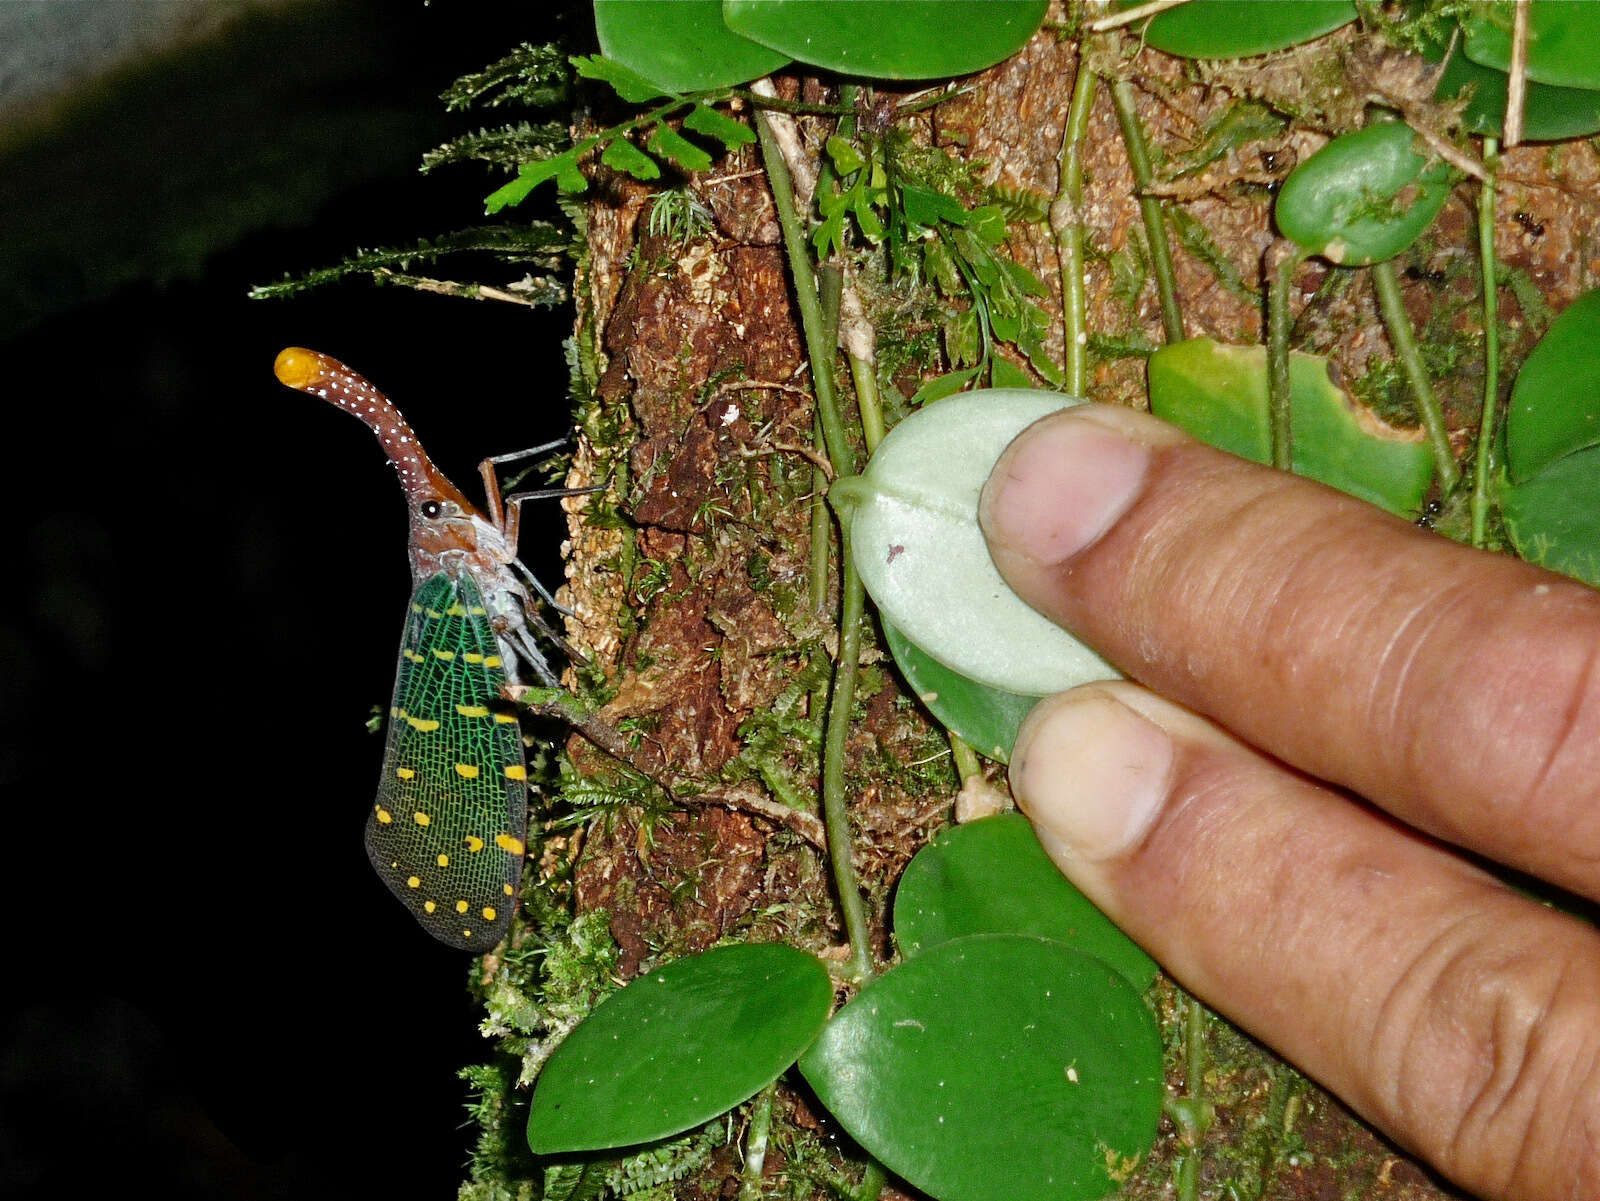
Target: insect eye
[432, 509]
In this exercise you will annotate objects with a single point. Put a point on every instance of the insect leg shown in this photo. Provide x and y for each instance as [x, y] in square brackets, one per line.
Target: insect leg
[491, 484]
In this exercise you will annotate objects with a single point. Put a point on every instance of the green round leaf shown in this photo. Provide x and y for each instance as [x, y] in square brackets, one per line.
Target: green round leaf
[679, 1046]
[912, 519]
[999, 1067]
[1562, 38]
[1218, 393]
[1364, 197]
[1241, 28]
[986, 719]
[680, 45]
[890, 39]
[1554, 518]
[1550, 114]
[993, 877]
[1555, 405]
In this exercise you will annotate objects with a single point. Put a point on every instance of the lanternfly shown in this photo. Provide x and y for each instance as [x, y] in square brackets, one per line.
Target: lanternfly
[447, 831]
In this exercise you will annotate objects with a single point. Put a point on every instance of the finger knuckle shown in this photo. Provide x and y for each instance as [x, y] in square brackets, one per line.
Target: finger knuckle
[1514, 1110]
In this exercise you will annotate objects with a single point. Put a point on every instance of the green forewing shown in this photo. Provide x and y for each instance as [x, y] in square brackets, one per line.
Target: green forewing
[447, 831]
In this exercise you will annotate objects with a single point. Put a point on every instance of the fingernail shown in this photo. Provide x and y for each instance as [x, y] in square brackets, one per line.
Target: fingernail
[1064, 481]
[1090, 772]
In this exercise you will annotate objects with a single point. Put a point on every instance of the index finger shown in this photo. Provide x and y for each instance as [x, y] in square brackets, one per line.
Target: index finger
[1456, 689]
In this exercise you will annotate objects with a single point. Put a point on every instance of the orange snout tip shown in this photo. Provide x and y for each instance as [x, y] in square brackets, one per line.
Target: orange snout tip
[298, 367]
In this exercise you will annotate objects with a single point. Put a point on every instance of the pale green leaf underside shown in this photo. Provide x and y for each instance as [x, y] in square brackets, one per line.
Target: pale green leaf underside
[914, 537]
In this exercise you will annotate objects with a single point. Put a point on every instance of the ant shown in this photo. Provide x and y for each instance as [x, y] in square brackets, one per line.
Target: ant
[1525, 219]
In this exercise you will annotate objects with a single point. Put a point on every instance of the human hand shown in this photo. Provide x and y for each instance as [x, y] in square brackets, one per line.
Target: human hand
[1317, 645]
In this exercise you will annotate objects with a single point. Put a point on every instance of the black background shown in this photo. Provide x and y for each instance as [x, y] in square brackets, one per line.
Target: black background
[210, 993]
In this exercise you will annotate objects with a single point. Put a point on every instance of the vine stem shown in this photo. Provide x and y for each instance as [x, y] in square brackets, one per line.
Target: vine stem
[1280, 395]
[966, 759]
[809, 300]
[872, 1181]
[1066, 222]
[755, 1145]
[861, 352]
[835, 814]
[1491, 344]
[1155, 224]
[1395, 320]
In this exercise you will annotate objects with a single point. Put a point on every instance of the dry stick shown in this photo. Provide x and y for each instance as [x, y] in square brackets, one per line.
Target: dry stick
[1066, 223]
[1517, 84]
[449, 287]
[1491, 346]
[1398, 325]
[1128, 16]
[610, 740]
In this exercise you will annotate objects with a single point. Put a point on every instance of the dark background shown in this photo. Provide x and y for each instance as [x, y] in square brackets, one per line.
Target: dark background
[210, 993]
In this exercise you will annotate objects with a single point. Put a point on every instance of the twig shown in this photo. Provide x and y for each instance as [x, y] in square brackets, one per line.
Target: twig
[1128, 16]
[750, 385]
[610, 740]
[545, 702]
[1517, 83]
[449, 287]
[751, 799]
[802, 174]
[808, 453]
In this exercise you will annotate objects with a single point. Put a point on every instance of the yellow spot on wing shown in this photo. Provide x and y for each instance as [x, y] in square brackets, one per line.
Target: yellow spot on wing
[506, 719]
[509, 844]
[472, 657]
[384, 816]
[457, 610]
[473, 710]
[405, 773]
[507, 889]
[408, 653]
[516, 772]
[488, 913]
[423, 725]
[492, 661]
[466, 771]
[445, 655]
[444, 861]
[421, 818]
[435, 614]
[474, 844]
[461, 906]
[413, 882]
[429, 906]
